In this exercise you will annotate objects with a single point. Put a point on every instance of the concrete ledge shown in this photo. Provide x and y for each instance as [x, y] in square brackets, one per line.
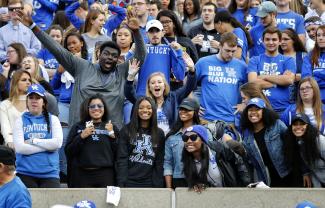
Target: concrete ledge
[248, 198]
[142, 198]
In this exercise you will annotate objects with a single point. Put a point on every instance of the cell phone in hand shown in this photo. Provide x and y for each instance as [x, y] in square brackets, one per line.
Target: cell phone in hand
[3, 10]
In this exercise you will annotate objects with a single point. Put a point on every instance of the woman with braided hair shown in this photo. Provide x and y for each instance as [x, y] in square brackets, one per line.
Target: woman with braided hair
[37, 138]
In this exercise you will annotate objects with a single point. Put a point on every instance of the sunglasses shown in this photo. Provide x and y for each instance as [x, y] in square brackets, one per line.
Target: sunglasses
[96, 106]
[192, 137]
[14, 8]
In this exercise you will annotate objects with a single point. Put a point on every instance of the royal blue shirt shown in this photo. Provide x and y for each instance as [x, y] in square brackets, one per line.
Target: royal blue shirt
[241, 42]
[220, 83]
[44, 11]
[49, 60]
[15, 194]
[257, 38]
[263, 64]
[294, 20]
[250, 20]
[317, 72]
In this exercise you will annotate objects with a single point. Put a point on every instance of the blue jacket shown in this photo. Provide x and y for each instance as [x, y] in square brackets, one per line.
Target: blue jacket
[274, 145]
[110, 25]
[290, 111]
[172, 100]
[173, 164]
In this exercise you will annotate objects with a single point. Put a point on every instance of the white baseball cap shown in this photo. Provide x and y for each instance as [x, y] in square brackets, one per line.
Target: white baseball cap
[154, 23]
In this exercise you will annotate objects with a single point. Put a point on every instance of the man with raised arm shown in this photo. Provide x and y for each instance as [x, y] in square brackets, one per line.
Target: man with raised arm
[106, 77]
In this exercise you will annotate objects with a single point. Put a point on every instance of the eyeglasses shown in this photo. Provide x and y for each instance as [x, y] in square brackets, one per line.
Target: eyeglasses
[192, 137]
[14, 8]
[96, 106]
[305, 89]
[166, 22]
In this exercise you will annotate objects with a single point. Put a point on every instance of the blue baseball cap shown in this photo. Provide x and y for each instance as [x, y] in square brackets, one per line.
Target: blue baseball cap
[306, 204]
[200, 130]
[260, 103]
[85, 204]
[36, 88]
[301, 117]
[265, 8]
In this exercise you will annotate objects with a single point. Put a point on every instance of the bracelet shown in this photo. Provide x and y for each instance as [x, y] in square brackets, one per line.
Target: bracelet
[32, 26]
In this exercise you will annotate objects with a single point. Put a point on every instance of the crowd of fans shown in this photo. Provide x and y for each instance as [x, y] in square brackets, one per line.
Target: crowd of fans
[194, 93]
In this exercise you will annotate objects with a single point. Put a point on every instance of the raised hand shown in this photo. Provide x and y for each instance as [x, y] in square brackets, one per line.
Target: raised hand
[24, 18]
[132, 20]
[109, 126]
[134, 66]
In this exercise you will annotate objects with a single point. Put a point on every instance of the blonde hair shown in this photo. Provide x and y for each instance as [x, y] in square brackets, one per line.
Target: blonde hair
[167, 88]
[317, 103]
[37, 75]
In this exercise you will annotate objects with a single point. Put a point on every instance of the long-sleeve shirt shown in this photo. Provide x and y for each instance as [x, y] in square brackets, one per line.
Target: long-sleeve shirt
[20, 34]
[110, 25]
[8, 116]
[43, 12]
[90, 79]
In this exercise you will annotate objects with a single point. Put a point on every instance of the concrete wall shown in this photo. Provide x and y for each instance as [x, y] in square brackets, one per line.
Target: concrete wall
[142, 198]
[162, 198]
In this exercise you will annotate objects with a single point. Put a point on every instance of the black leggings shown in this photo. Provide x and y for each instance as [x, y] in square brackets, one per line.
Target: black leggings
[33, 182]
[92, 178]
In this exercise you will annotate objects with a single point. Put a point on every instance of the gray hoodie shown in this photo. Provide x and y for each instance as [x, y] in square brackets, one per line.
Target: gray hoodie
[89, 79]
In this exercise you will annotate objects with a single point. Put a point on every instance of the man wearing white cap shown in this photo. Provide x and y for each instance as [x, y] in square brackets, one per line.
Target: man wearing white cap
[160, 58]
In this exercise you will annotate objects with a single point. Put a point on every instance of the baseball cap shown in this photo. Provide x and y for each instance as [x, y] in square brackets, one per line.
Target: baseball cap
[301, 117]
[85, 204]
[306, 204]
[257, 102]
[36, 88]
[7, 155]
[189, 104]
[154, 23]
[265, 8]
[200, 130]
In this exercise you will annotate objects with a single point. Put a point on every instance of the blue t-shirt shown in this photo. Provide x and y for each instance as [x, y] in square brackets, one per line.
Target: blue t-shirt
[241, 42]
[256, 35]
[160, 58]
[263, 64]
[15, 194]
[49, 60]
[44, 11]
[318, 72]
[220, 83]
[294, 20]
[250, 21]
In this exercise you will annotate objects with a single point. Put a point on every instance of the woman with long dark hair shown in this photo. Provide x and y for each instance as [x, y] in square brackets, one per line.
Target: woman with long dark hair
[174, 32]
[262, 132]
[314, 63]
[192, 14]
[224, 22]
[37, 139]
[304, 150]
[141, 148]
[91, 146]
[188, 115]
[210, 163]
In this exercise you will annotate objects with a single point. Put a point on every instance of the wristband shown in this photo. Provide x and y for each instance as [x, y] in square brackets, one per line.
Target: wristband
[110, 133]
[32, 26]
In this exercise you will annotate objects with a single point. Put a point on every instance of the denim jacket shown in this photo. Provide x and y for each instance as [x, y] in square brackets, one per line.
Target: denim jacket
[173, 164]
[274, 146]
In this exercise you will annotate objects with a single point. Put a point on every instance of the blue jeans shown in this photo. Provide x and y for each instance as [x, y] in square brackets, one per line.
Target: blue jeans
[64, 119]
